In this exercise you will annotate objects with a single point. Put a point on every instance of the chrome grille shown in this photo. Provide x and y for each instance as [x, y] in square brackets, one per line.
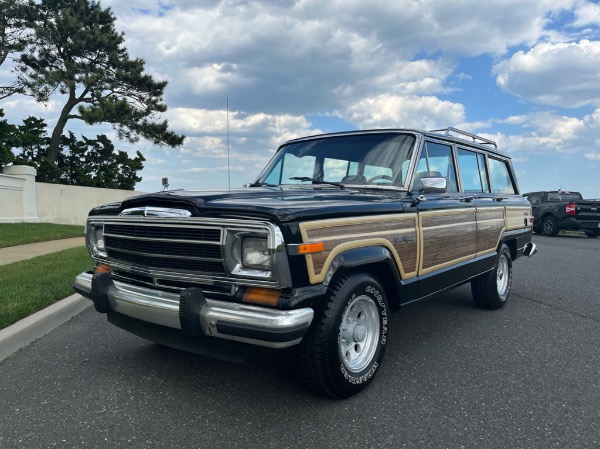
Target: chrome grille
[169, 247]
[164, 232]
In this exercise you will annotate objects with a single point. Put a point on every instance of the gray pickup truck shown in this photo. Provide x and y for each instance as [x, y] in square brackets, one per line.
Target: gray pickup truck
[556, 210]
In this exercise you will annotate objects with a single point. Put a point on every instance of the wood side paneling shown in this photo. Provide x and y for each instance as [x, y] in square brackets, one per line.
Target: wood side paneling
[447, 237]
[451, 217]
[358, 229]
[420, 243]
[488, 235]
[490, 213]
[490, 225]
[448, 244]
[398, 233]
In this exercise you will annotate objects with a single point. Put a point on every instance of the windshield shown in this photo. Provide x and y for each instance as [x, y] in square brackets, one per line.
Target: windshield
[365, 159]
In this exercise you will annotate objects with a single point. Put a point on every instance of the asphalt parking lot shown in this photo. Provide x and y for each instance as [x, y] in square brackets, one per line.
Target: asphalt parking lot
[526, 376]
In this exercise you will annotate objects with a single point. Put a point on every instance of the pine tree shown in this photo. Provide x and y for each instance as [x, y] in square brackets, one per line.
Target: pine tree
[78, 52]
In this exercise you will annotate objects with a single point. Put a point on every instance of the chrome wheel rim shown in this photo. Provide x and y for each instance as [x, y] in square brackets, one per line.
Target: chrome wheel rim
[548, 226]
[359, 334]
[502, 275]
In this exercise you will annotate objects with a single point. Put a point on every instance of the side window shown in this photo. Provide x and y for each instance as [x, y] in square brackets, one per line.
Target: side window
[371, 171]
[500, 177]
[471, 173]
[436, 161]
[535, 199]
[334, 169]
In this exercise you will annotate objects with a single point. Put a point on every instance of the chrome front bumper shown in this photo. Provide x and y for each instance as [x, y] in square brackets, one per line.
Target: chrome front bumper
[233, 321]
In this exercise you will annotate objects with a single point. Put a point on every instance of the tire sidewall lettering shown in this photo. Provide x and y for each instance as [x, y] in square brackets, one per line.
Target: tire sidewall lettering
[357, 380]
[372, 292]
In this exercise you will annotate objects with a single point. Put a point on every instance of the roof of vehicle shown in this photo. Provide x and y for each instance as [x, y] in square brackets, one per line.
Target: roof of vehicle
[570, 192]
[479, 142]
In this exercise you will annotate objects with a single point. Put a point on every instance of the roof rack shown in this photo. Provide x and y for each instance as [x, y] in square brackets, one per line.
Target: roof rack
[476, 139]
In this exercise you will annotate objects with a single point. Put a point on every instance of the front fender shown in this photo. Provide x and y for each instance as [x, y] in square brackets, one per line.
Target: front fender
[376, 260]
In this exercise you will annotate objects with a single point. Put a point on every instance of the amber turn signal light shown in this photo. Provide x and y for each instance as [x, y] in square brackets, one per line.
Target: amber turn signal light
[310, 248]
[102, 268]
[264, 296]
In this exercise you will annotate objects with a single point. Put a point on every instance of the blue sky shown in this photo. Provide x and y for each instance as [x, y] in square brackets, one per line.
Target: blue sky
[524, 73]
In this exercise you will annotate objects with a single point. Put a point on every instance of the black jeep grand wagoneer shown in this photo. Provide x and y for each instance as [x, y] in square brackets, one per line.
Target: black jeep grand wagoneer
[335, 233]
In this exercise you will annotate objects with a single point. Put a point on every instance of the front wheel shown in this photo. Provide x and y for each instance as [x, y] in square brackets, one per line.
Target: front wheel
[492, 289]
[593, 233]
[345, 346]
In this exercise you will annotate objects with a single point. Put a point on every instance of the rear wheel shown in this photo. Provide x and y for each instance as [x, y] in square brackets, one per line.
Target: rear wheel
[593, 233]
[344, 348]
[492, 289]
[549, 226]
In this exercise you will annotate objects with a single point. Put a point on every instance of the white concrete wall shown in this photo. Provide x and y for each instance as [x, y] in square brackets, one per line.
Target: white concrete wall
[12, 208]
[24, 200]
[57, 203]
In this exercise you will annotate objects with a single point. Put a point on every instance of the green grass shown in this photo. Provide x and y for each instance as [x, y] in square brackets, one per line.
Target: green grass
[31, 285]
[13, 234]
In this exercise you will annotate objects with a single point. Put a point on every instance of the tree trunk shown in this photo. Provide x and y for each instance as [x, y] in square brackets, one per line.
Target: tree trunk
[58, 131]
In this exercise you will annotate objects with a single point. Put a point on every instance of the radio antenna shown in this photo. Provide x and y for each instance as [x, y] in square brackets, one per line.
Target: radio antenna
[228, 165]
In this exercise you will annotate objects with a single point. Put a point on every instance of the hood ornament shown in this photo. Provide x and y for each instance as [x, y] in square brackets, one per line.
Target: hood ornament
[156, 212]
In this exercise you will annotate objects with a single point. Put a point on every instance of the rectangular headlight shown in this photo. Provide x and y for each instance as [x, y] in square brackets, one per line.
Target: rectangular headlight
[95, 239]
[255, 253]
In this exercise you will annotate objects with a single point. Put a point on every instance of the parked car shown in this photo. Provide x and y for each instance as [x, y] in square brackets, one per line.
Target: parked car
[338, 231]
[558, 209]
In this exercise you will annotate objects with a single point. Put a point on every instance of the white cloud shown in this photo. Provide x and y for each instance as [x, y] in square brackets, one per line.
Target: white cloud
[587, 13]
[387, 111]
[592, 156]
[547, 133]
[563, 74]
[301, 57]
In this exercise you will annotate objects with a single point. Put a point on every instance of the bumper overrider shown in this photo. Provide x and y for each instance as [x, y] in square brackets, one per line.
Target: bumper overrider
[194, 315]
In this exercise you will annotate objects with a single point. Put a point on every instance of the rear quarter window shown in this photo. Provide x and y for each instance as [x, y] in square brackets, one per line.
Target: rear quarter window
[500, 177]
[472, 171]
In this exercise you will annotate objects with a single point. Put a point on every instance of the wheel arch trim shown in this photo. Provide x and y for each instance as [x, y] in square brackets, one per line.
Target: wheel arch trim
[363, 260]
[357, 253]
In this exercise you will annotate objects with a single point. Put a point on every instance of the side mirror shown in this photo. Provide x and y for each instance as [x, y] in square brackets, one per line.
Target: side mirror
[433, 185]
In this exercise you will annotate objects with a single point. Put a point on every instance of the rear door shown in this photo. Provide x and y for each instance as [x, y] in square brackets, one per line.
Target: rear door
[446, 222]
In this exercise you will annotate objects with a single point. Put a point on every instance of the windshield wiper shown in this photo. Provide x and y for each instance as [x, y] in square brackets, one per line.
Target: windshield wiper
[318, 181]
[262, 184]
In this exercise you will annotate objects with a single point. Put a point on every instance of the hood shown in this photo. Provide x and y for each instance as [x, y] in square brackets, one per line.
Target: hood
[279, 204]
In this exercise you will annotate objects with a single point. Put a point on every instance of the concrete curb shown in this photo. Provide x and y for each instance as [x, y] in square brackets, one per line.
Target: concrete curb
[29, 329]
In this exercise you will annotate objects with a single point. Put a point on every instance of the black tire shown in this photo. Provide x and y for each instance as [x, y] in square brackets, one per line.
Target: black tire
[492, 289]
[549, 226]
[593, 233]
[339, 361]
